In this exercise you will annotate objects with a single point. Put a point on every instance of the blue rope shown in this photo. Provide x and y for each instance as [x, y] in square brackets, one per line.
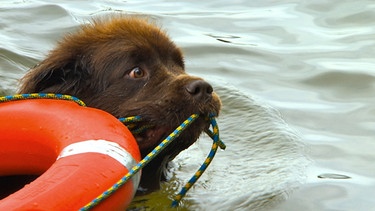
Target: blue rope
[142, 163]
[41, 96]
[216, 143]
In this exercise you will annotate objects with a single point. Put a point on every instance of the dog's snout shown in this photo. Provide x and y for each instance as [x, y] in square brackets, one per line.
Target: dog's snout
[199, 89]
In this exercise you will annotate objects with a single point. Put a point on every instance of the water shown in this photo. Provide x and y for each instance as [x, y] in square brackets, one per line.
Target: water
[296, 79]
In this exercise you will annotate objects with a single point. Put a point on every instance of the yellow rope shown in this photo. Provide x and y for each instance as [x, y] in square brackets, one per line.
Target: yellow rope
[142, 163]
[41, 96]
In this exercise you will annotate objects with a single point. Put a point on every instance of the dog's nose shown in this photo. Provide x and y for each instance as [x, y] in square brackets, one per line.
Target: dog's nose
[199, 89]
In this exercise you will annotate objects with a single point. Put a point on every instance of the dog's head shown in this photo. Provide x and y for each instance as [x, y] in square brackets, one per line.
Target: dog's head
[127, 66]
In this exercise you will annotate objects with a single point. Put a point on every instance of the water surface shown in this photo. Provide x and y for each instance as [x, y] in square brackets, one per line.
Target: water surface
[296, 79]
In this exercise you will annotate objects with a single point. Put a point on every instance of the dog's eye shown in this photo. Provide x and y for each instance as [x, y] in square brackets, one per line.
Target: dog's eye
[137, 73]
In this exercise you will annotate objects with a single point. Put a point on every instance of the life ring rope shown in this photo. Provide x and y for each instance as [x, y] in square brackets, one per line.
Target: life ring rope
[142, 163]
[41, 96]
[214, 134]
[130, 123]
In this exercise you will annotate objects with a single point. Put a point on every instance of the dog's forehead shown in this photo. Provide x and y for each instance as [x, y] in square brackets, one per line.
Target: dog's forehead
[151, 54]
[140, 38]
[157, 45]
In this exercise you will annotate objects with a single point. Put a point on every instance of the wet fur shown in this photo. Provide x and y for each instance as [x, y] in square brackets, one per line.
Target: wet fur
[95, 64]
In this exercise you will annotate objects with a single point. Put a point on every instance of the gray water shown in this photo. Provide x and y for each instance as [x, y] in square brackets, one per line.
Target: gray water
[296, 79]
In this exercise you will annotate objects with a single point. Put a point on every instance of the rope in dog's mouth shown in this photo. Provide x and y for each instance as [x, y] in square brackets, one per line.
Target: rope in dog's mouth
[214, 134]
[130, 122]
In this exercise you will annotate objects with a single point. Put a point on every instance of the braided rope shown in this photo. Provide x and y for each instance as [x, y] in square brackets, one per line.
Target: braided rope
[41, 96]
[216, 143]
[130, 119]
[141, 164]
[129, 122]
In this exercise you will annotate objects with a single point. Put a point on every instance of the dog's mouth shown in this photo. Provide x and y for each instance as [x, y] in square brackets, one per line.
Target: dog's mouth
[156, 124]
[149, 136]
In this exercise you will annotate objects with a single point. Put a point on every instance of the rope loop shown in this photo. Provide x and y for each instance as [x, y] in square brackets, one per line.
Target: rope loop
[214, 134]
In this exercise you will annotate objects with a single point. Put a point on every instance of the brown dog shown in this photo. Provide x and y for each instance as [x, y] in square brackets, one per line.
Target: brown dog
[127, 66]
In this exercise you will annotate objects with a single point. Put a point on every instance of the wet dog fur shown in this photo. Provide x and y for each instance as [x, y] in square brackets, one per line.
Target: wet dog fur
[128, 66]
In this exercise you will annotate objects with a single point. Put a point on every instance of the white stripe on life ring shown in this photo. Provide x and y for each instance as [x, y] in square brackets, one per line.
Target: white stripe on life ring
[111, 149]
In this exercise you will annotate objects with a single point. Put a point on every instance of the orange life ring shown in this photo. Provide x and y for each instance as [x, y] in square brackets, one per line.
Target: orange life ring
[79, 152]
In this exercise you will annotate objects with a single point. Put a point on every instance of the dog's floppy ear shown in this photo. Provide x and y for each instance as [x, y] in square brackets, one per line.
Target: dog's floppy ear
[61, 72]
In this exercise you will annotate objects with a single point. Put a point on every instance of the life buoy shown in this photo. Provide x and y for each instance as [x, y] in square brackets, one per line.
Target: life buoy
[79, 152]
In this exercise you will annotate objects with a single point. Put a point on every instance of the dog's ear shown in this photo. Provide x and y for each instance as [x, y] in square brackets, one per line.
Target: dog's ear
[59, 73]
